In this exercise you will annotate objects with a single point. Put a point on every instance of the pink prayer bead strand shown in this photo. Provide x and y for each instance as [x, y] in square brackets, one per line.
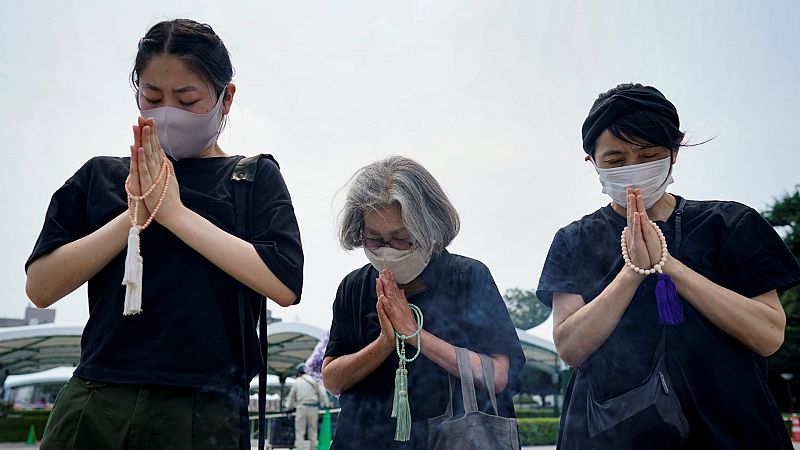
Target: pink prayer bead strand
[160, 201]
[134, 213]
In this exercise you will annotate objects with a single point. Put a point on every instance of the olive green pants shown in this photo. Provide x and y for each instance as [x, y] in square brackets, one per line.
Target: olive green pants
[109, 416]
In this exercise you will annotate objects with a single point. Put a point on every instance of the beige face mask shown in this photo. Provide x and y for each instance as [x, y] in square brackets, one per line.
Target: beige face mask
[405, 265]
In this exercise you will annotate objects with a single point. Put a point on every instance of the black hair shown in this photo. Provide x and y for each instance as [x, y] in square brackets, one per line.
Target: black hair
[643, 128]
[196, 44]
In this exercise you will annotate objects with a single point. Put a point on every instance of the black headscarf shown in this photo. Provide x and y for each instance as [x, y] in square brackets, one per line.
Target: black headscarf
[607, 111]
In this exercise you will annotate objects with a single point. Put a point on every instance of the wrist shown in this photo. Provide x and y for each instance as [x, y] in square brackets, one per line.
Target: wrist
[673, 267]
[629, 276]
[173, 218]
[123, 219]
[413, 341]
[385, 343]
[408, 330]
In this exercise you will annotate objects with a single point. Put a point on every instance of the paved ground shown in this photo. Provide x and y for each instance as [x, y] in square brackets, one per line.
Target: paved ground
[29, 447]
[535, 447]
[530, 447]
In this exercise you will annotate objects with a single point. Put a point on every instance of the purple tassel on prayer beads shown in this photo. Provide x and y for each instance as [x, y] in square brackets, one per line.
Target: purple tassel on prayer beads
[670, 310]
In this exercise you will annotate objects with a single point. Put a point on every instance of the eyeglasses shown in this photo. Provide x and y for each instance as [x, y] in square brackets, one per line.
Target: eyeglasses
[397, 244]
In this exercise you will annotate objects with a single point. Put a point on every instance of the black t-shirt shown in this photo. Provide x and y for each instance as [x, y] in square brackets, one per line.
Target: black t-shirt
[189, 332]
[462, 306]
[721, 383]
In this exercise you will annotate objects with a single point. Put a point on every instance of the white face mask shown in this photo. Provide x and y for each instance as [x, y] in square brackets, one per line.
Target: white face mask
[406, 265]
[649, 177]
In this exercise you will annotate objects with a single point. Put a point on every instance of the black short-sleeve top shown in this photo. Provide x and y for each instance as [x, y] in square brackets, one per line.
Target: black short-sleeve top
[189, 333]
[462, 306]
[720, 382]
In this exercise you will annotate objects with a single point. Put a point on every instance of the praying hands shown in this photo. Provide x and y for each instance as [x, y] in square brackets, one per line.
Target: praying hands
[641, 238]
[392, 304]
[152, 176]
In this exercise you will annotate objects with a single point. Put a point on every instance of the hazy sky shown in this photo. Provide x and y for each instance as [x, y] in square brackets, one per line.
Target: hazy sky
[489, 96]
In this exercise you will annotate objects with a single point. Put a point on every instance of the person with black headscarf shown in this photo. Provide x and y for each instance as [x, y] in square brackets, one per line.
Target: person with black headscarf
[667, 307]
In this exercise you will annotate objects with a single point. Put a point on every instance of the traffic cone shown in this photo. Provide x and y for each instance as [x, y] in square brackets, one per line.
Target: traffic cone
[325, 432]
[31, 435]
[795, 429]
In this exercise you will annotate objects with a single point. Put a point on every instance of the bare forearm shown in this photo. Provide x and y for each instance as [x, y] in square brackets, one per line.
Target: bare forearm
[341, 373]
[443, 354]
[53, 276]
[756, 324]
[583, 332]
[236, 257]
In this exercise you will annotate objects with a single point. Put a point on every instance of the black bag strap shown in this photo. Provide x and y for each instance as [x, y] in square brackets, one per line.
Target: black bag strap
[243, 176]
[674, 252]
[678, 217]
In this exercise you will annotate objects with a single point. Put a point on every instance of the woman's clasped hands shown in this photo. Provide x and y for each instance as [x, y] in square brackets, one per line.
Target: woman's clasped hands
[394, 313]
[150, 169]
[642, 239]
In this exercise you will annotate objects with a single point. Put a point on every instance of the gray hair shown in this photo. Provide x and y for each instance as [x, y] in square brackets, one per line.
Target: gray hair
[430, 218]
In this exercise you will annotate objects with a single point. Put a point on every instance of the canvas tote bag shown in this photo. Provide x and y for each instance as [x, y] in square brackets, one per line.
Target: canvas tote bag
[475, 429]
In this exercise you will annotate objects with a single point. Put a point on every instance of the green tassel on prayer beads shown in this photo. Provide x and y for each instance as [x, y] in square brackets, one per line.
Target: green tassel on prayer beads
[400, 406]
[400, 374]
[403, 430]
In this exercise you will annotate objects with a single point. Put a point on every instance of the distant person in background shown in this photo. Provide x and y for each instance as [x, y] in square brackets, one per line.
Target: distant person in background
[653, 275]
[306, 397]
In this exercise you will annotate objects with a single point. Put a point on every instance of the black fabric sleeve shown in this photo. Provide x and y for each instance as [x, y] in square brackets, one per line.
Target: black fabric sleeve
[557, 274]
[492, 331]
[65, 220]
[340, 339]
[754, 258]
[276, 236]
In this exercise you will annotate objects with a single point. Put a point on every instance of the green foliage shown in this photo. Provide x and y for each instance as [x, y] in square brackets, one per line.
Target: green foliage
[15, 427]
[543, 431]
[525, 309]
[785, 213]
[535, 413]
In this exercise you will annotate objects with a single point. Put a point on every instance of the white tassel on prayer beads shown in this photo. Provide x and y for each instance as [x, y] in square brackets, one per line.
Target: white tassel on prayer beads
[133, 275]
[132, 279]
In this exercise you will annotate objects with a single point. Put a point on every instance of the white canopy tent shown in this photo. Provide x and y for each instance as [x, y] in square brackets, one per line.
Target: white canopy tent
[290, 343]
[27, 353]
[35, 348]
[540, 353]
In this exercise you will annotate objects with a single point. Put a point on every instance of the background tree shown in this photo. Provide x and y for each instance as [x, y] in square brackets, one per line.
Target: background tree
[784, 214]
[526, 310]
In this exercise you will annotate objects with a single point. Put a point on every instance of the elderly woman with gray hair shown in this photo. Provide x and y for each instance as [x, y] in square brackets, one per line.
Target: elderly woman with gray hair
[398, 213]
